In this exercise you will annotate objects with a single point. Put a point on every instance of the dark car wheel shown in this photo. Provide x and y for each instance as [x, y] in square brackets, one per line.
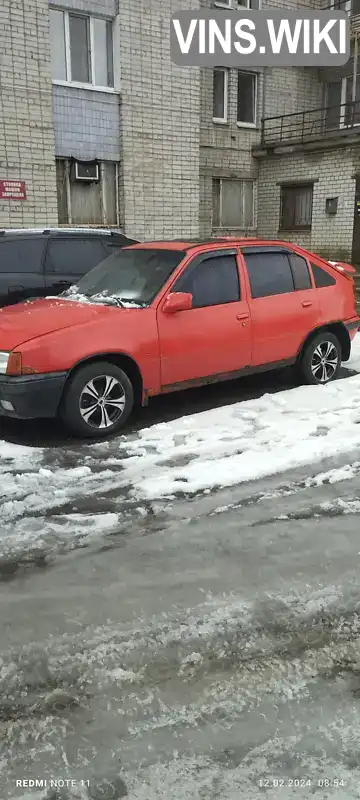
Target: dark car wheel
[98, 400]
[321, 360]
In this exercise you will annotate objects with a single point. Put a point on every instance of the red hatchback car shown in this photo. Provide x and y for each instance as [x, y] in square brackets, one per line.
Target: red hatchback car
[161, 316]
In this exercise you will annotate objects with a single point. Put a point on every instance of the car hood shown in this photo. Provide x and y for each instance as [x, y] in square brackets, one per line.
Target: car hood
[26, 321]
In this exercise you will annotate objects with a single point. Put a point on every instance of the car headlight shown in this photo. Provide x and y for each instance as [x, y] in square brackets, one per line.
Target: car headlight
[4, 360]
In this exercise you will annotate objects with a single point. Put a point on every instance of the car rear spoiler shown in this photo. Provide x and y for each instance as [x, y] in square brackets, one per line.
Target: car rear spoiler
[342, 266]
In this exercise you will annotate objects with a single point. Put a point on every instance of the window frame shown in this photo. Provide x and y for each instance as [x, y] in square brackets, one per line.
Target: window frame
[294, 187]
[221, 226]
[345, 102]
[195, 262]
[254, 75]
[231, 5]
[93, 86]
[225, 119]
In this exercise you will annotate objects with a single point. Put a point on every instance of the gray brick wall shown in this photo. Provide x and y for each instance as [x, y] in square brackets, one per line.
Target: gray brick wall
[86, 123]
[160, 125]
[106, 8]
[26, 130]
[333, 172]
[225, 149]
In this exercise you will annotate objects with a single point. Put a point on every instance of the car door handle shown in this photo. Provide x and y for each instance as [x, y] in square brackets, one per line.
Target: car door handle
[306, 303]
[12, 289]
[242, 316]
[63, 283]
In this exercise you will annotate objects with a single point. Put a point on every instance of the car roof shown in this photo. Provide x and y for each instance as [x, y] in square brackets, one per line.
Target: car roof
[19, 232]
[190, 244]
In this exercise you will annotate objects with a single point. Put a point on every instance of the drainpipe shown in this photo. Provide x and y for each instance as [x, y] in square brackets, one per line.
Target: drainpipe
[355, 66]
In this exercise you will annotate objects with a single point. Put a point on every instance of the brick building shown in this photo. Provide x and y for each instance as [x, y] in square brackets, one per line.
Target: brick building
[104, 129]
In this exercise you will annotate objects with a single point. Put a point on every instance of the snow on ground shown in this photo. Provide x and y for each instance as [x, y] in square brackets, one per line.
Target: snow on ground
[200, 452]
[248, 440]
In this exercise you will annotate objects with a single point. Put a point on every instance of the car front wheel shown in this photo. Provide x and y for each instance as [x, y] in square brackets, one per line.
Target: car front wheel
[321, 361]
[98, 400]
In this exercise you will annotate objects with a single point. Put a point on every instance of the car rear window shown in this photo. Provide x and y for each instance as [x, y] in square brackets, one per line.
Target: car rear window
[22, 255]
[321, 277]
[131, 275]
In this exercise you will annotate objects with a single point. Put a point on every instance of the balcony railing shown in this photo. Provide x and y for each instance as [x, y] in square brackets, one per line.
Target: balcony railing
[351, 6]
[328, 122]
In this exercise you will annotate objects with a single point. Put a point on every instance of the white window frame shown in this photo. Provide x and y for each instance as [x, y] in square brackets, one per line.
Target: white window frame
[76, 84]
[232, 5]
[223, 120]
[251, 125]
[222, 227]
[346, 6]
[343, 103]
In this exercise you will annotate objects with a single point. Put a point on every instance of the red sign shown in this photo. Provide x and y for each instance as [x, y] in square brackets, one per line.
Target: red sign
[12, 190]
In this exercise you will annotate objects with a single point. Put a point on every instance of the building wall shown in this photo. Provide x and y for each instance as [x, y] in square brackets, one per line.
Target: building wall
[26, 130]
[106, 8]
[225, 149]
[333, 171]
[86, 124]
[160, 130]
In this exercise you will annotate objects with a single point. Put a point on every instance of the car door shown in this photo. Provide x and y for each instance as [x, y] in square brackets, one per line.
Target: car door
[283, 302]
[69, 258]
[214, 336]
[21, 269]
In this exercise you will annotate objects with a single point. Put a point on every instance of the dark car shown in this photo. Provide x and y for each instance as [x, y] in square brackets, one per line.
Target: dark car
[37, 263]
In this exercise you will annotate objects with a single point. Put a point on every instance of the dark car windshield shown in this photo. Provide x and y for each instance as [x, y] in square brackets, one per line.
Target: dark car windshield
[128, 276]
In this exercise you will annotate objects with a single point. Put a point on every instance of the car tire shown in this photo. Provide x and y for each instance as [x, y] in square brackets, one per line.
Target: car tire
[97, 401]
[321, 359]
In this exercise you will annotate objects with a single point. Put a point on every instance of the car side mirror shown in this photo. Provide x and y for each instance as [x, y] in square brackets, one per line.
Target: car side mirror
[177, 301]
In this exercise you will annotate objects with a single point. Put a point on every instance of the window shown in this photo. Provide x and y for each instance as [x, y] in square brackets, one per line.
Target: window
[246, 98]
[351, 113]
[74, 256]
[82, 49]
[333, 104]
[23, 255]
[132, 275]
[213, 282]
[296, 207]
[235, 4]
[233, 203]
[83, 203]
[321, 277]
[220, 95]
[269, 273]
[300, 272]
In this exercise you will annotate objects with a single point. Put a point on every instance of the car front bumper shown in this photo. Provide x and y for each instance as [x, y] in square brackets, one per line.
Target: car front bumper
[31, 396]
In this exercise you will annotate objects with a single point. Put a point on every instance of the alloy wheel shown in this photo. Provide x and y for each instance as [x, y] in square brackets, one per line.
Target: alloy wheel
[324, 362]
[102, 402]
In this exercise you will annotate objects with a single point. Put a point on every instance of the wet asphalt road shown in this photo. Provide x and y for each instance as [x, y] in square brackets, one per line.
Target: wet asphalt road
[203, 649]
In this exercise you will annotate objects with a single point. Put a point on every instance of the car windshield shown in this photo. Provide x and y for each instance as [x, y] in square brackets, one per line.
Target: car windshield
[132, 277]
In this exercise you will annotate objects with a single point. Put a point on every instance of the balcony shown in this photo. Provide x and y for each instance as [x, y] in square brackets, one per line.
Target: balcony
[310, 130]
[351, 6]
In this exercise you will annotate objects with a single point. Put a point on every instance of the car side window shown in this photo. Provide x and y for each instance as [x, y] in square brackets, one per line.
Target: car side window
[74, 256]
[23, 255]
[321, 277]
[213, 282]
[300, 272]
[269, 273]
